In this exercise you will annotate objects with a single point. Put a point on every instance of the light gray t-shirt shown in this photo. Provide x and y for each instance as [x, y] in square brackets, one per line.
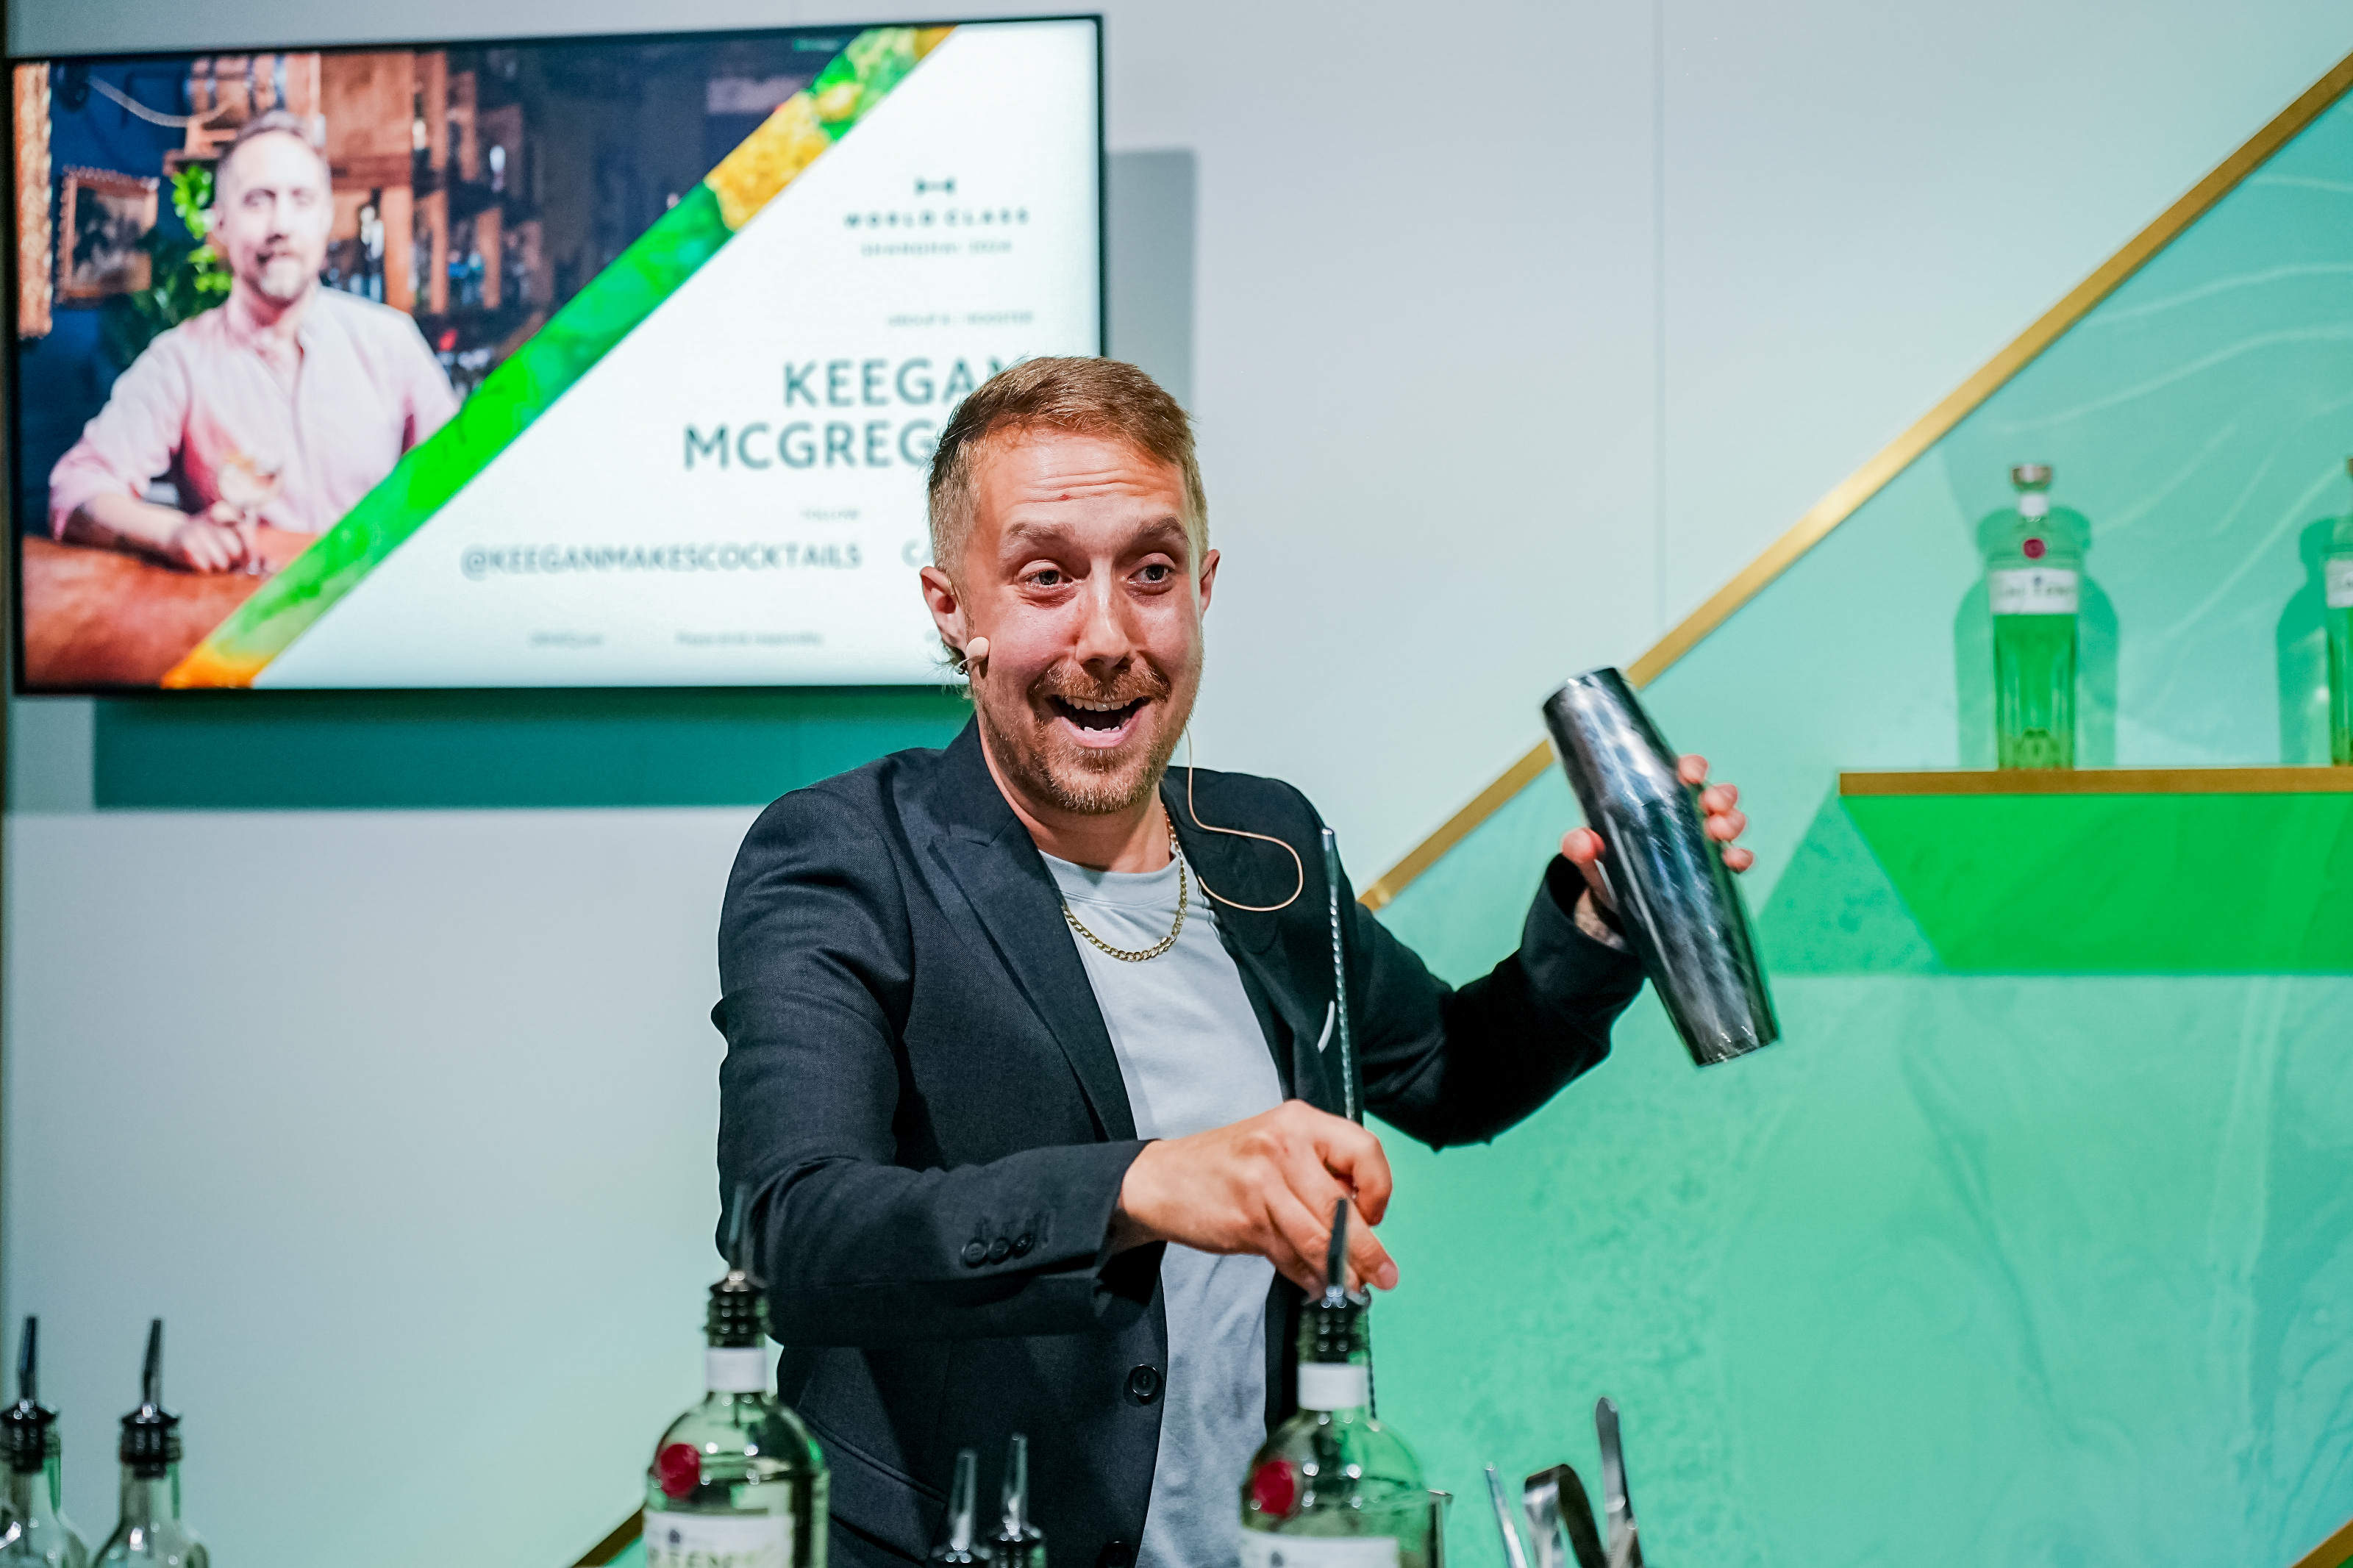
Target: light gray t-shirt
[1193, 1057]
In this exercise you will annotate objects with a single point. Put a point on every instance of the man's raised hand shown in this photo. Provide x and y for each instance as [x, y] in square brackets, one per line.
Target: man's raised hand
[1725, 822]
[1265, 1187]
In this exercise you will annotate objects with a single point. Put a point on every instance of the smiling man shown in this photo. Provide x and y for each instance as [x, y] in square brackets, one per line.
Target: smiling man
[1028, 1075]
[284, 405]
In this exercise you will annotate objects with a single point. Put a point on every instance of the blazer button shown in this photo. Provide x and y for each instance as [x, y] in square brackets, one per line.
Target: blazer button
[999, 1250]
[1022, 1244]
[1115, 1554]
[974, 1254]
[1143, 1384]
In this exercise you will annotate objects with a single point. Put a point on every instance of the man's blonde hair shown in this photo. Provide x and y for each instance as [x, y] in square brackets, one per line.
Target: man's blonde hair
[272, 122]
[1082, 396]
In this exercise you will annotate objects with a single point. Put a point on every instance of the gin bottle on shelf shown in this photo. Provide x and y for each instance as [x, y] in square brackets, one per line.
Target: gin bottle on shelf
[150, 1531]
[736, 1482]
[1332, 1488]
[2033, 584]
[2337, 582]
[36, 1530]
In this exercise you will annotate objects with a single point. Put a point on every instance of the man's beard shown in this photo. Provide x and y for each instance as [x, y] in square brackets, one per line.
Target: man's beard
[1079, 779]
[282, 279]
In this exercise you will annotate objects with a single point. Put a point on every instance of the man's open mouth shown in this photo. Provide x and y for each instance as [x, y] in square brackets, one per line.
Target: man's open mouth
[1089, 713]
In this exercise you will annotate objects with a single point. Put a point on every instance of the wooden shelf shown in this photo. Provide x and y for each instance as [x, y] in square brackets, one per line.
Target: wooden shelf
[2119, 871]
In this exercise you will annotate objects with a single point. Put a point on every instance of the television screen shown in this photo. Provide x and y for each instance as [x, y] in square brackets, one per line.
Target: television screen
[582, 362]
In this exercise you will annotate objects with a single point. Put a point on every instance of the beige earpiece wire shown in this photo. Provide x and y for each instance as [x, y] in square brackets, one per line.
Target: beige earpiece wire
[1238, 833]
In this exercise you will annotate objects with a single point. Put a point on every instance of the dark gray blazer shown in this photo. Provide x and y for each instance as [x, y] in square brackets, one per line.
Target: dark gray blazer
[920, 1094]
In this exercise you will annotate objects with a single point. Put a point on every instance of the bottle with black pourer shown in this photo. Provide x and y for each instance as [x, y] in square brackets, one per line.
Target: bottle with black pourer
[150, 1529]
[1331, 1487]
[957, 1549]
[1019, 1543]
[36, 1529]
[736, 1482]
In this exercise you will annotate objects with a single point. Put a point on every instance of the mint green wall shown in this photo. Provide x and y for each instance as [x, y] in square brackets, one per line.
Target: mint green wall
[1969, 1269]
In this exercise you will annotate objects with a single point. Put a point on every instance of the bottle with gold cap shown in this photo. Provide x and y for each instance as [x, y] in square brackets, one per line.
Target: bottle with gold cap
[150, 1531]
[36, 1530]
[2336, 585]
[737, 1482]
[2034, 569]
[1332, 1488]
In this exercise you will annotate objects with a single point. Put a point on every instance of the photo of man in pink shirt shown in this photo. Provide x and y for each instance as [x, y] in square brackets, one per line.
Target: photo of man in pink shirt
[284, 405]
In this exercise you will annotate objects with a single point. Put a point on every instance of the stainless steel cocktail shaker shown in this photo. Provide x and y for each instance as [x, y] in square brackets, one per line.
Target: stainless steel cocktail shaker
[1675, 897]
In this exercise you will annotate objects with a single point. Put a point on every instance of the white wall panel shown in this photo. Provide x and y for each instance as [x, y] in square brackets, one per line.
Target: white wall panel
[405, 1123]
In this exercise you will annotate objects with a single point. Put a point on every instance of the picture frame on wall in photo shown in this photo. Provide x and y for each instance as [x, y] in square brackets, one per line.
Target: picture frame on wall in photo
[102, 217]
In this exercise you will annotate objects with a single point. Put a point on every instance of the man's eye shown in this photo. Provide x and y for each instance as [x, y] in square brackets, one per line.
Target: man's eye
[1046, 577]
[1157, 571]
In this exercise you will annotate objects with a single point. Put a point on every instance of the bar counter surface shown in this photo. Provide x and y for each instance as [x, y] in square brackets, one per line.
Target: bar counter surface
[96, 617]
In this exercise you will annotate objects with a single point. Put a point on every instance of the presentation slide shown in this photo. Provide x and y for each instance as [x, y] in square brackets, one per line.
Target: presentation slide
[579, 362]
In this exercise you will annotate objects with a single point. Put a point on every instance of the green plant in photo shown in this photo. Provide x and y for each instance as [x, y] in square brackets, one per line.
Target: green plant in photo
[186, 277]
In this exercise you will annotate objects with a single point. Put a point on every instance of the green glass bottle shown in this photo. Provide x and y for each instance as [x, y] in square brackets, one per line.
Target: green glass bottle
[736, 1482]
[2336, 579]
[2033, 584]
[1332, 1488]
[150, 1531]
[36, 1530]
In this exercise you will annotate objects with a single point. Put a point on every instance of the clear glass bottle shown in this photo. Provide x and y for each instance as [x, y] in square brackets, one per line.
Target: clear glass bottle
[36, 1530]
[1332, 1488]
[2336, 584]
[736, 1482]
[2033, 584]
[150, 1529]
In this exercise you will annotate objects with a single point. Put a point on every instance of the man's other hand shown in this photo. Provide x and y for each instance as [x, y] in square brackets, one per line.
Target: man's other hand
[1725, 822]
[1265, 1187]
[208, 540]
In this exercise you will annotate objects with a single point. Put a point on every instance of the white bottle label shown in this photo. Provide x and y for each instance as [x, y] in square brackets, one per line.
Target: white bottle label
[718, 1540]
[1263, 1549]
[1333, 1386]
[2340, 584]
[742, 1371]
[2033, 590]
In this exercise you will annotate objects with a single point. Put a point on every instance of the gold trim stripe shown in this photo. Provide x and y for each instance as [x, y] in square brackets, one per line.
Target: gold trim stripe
[2332, 1552]
[623, 1536]
[1866, 482]
[1488, 801]
[2102, 781]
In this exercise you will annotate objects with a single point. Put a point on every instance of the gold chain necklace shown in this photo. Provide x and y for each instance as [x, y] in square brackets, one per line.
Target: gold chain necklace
[1137, 955]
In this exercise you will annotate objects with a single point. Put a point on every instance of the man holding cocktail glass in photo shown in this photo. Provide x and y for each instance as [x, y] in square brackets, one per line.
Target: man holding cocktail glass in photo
[284, 405]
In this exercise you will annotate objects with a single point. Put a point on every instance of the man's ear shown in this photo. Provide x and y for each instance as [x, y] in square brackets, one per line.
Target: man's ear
[1208, 579]
[940, 596]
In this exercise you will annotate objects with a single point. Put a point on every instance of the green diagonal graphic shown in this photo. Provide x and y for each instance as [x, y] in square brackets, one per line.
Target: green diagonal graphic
[529, 383]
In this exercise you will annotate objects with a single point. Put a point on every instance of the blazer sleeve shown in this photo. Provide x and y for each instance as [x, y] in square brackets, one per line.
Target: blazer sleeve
[1450, 1066]
[816, 961]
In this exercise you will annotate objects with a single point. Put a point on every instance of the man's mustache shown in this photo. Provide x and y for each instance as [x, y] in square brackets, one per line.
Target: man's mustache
[1137, 683]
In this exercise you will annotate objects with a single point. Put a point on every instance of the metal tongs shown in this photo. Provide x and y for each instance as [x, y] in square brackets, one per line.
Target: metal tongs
[1559, 1513]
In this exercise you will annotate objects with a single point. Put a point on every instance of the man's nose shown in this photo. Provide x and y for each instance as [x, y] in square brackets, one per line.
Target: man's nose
[1105, 636]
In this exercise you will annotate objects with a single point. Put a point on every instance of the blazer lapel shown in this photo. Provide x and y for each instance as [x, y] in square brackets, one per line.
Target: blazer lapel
[990, 856]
